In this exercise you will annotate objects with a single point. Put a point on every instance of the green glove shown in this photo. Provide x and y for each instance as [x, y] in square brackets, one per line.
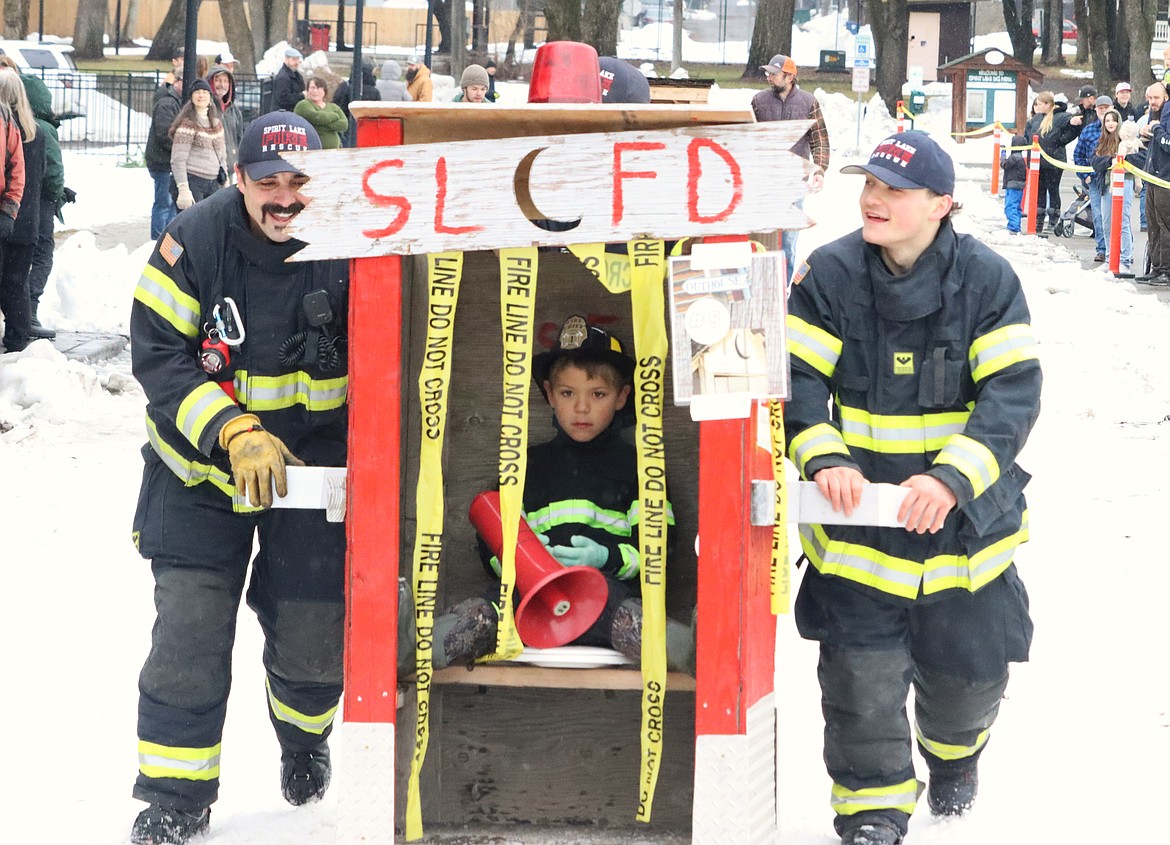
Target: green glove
[258, 459]
[581, 552]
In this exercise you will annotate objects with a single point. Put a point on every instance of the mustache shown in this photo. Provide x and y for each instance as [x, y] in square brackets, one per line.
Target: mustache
[274, 208]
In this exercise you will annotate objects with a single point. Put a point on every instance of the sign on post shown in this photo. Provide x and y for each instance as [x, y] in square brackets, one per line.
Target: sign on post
[552, 190]
[863, 51]
[860, 80]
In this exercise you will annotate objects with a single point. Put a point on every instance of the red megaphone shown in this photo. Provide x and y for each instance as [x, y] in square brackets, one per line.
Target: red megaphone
[557, 603]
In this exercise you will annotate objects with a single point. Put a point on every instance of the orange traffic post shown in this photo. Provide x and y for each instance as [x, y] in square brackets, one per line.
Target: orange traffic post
[995, 156]
[901, 118]
[1033, 185]
[1115, 220]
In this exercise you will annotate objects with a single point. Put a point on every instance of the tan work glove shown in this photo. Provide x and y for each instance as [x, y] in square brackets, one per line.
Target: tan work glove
[258, 458]
[186, 198]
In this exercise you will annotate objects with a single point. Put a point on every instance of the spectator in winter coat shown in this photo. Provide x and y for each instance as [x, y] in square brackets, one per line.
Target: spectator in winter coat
[327, 118]
[418, 80]
[1083, 155]
[391, 87]
[199, 154]
[54, 195]
[1156, 137]
[223, 86]
[342, 97]
[492, 93]
[1117, 138]
[1015, 171]
[168, 99]
[288, 86]
[1123, 102]
[17, 247]
[1056, 129]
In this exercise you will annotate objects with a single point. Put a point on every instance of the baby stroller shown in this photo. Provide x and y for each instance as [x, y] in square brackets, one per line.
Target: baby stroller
[1078, 211]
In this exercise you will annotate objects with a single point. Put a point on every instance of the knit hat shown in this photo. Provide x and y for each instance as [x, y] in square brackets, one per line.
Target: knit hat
[268, 136]
[1104, 100]
[416, 59]
[910, 160]
[474, 75]
[293, 53]
[580, 341]
[199, 85]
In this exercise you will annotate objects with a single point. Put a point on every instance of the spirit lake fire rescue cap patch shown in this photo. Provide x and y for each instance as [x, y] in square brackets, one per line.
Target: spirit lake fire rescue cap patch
[910, 160]
[268, 136]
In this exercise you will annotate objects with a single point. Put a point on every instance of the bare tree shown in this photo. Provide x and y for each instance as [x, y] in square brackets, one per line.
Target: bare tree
[90, 29]
[1019, 29]
[15, 18]
[269, 23]
[564, 20]
[771, 34]
[239, 34]
[130, 24]
[599, 25]
[170, 36]
[1052, 36]
[1118, 40]
[1099, 47]
[1081, 16]
[1140, 16]
[891, 25]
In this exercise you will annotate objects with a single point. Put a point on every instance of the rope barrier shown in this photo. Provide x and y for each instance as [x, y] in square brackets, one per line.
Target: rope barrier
[973, 132]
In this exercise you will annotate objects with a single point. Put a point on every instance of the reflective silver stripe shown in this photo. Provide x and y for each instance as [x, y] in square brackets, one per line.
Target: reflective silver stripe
[158, 292]
[900, 434]
[820, 439]
[971, 458]
[270, 393]
[951, 752]
[1000, 349]
[635, 514]
[307, 723]
[865, 565]
[813, 345]
[199, 408]
[189, 472]
[161, 761]
[900, 796]
[631, 562]
[579, 511]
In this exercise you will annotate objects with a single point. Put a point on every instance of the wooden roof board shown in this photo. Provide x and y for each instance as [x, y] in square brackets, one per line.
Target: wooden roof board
[429, 123]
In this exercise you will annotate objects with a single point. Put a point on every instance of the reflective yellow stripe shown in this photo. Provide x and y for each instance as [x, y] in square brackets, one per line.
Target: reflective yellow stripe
[894, 575]
[193, 472]
[901, 796]
[813, 345]
[158, 292]
[900, 435]
[952, 752]
[1000, 349]
[635, 514]
[199, 408]
[580, 512]
[272, 393]
[163, 761]
[899, 576]
[307, 723]
[971, 458]
[631, 563]
[814, 441]
[977, 571]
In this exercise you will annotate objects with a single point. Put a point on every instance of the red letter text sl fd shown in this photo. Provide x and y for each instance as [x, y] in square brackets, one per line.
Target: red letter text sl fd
[619, 203]
[695, 170]
[383, 201]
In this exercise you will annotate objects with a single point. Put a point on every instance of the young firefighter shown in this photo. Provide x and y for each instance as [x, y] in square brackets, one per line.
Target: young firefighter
[581, 497]
[1015, 171]
[913, 363]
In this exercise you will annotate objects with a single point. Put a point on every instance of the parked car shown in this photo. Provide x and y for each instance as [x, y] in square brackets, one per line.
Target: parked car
[1069, 32]
[54, 64]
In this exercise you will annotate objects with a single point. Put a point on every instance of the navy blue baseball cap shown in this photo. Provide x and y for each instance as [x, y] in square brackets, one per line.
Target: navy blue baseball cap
[268, 136]
[910, 160]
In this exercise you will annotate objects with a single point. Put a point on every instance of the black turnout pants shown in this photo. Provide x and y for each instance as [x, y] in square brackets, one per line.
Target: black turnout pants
[200, 552]
[953, 652]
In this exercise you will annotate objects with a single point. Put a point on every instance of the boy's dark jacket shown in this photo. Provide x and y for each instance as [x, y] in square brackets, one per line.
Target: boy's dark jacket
[1015, 169]
[600, 480]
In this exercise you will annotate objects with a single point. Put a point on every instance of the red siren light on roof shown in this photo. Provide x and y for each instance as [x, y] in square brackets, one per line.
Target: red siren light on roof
[565, 72]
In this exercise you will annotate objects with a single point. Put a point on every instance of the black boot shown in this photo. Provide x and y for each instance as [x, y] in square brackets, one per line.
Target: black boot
[305, 775]
[38, 332]
[1040, 215]
[871, 834]
[165, 826]
[952, 790]
[625, 634]
[464, 633]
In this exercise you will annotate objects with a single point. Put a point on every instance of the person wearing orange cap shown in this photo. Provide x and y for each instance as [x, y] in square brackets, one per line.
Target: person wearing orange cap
[784, 100]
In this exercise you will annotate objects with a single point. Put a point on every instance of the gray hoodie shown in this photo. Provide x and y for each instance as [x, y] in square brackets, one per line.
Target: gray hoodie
[391, 86]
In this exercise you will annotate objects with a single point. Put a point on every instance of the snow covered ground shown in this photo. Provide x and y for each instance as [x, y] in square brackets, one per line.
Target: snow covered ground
[1079, 751]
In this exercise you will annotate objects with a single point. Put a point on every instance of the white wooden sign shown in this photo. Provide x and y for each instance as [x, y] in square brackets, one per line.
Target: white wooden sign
[552, 190]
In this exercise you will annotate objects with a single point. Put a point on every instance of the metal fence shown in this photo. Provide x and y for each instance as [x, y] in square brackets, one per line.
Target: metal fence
[110, 113]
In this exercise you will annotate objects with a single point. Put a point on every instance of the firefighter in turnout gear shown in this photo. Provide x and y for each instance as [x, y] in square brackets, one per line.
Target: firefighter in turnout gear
[242, 358]
[913, 363]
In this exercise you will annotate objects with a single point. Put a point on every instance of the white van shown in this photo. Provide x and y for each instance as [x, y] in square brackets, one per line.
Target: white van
[54, 64]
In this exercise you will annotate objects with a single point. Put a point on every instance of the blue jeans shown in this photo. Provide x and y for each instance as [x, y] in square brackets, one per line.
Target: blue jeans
[1142, 206]
[1013, 198]
[1126, 226]
[788, 244]
[164, 209]
[1098, 224]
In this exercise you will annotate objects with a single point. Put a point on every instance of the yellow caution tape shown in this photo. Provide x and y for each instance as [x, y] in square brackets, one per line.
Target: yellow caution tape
[648, 270]
[780, 579]
[444, 272]
[518, 269]
[612, 269]
[1145, 177]
[981, 131]
[1064, 165]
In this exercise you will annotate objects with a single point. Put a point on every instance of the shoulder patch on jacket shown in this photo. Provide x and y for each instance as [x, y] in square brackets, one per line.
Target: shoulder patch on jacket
[800, 273]
[169, 249]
